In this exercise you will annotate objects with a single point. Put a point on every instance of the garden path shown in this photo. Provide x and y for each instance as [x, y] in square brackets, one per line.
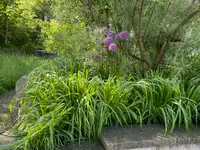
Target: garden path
[5, 100]
[5, 114]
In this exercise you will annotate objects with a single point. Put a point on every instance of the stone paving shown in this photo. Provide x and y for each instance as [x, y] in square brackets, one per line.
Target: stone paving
[150, 137]
[178, 147]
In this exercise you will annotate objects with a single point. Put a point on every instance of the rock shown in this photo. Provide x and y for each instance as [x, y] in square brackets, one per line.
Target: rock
[21, 84]
[6, 140]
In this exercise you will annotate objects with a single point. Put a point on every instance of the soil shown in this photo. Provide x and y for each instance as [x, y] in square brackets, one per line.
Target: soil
[5, 101]
[6, 118]
[5, 115]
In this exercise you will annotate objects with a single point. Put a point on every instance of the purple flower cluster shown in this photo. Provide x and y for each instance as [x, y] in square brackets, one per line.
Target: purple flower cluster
[111, 34]
[124, 35]
[112, 47]
[109, 42]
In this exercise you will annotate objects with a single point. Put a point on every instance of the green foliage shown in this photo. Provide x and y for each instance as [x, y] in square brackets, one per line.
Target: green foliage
[13, 67]
[63, 104]
[67, 33]
[74, 97]
[18, 28]
[67, 39]
[156, 25]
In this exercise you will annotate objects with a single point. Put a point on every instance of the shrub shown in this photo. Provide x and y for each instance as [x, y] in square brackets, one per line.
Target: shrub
[67, 39]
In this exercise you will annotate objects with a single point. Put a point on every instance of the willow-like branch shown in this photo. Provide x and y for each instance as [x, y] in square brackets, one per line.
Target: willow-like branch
[144, 54]
[132, 19]
[184, 22]
[171, 37]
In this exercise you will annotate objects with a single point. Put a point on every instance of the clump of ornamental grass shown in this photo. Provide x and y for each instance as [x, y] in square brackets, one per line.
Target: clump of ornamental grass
[63, 105]
[60, 109]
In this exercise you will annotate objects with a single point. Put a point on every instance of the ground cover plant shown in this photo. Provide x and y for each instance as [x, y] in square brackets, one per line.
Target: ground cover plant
[13, 67]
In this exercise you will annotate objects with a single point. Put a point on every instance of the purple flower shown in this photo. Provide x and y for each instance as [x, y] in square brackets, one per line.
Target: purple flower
[105, 30]
[111, 34]
[124, 35]
[108, 41]
[113, 47]
[117, 36]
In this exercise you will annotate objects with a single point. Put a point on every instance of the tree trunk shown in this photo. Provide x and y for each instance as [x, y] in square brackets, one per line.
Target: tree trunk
[5, 26]
[6, 33]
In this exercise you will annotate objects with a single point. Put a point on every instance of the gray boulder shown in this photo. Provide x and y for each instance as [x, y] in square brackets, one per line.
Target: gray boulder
[21, 84]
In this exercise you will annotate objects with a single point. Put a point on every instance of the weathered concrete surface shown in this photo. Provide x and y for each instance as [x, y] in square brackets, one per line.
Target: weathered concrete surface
[149, 137]
[84, 146]
[176, 147]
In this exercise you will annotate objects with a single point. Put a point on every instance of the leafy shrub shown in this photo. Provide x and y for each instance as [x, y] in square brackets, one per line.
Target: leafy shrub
[67, 39]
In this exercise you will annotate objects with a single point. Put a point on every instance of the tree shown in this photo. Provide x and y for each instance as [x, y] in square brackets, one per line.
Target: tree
[5, 8]
[171, 36]
[19, 26]
[156, 24]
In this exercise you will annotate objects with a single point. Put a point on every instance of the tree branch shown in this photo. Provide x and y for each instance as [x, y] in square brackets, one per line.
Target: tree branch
[161, 54]
[135, 57]
[132, 19]
[144, 54]
[171, 4]
[91, 8]
[140, 20]
[149, 20]
[171, 37]
[184, 22]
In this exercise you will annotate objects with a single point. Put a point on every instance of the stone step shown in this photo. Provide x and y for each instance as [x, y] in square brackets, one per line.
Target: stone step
[5, 140]
[84, 145]
[150, 137]
[175, 147]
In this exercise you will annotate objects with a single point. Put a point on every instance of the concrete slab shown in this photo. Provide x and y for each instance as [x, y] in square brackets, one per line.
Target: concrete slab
[84, 145]
[176, 147]
[150, 136]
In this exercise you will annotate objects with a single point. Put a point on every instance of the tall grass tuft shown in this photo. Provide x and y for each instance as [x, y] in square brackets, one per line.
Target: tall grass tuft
[13, 67]
[63, 104]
